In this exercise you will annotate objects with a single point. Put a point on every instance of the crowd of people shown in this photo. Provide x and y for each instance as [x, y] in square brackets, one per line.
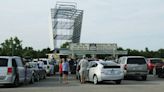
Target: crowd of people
[66, 65]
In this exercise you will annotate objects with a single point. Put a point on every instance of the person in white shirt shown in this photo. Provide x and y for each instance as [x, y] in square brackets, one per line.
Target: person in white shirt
[40, 64]
[83, 69]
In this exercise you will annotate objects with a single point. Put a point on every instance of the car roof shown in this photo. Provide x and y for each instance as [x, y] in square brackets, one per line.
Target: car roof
[105, 62]
[134, 56]
[9, 57]
[154, 58]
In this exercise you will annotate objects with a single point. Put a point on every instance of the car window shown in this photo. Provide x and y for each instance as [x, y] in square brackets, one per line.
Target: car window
[136, 61]
[94, 65]
[90, 64]
[3, 62]
[45, 62]
[19, 62]
[122, 60]
[155, 61]
[14, 63]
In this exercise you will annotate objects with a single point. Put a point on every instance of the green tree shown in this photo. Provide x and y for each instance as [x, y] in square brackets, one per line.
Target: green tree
[29, 52]
[65, 45]
[12, 46]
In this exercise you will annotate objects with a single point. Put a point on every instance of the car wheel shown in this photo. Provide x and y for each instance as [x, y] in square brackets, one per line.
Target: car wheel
[118, 81]
[144, 77]
[32, 79]
[16, 82]
[95, 80]
[37, 78]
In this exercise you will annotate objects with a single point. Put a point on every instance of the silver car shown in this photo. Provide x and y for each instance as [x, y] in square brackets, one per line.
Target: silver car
[135, 66]
[99, 71]
[13, 71]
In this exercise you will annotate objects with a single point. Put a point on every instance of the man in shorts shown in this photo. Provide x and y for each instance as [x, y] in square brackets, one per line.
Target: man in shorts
[83, 69]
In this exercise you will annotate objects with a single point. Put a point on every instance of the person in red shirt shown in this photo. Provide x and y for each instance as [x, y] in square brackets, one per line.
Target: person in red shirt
[60, 71]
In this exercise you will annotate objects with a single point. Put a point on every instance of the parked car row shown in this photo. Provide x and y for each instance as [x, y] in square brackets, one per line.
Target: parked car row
[48, 65]
[126, 66]
[15, 70]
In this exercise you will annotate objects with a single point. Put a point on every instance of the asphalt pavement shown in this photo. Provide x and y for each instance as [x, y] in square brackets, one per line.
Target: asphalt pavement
[52, 84]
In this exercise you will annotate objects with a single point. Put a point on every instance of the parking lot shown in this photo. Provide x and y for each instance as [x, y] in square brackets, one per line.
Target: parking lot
[52, 84]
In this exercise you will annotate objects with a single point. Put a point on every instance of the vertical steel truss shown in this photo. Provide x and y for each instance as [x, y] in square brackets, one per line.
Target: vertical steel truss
[66, 22]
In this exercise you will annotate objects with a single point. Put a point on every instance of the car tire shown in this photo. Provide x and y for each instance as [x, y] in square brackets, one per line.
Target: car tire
[144, 78]
[37, 78]
[32, 79]
[16, 82]
[118, 81]
[95, 79]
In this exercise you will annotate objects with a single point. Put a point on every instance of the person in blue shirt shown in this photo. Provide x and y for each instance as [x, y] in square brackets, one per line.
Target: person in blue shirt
[65, 69]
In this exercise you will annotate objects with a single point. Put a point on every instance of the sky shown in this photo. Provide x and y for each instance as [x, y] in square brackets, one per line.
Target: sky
[134, 24]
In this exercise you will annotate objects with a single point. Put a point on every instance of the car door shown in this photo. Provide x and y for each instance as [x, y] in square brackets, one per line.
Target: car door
[92, 70]
[20, 69]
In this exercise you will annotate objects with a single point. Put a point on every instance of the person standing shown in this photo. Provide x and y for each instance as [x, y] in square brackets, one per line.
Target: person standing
[60, 71]
[65, 69]
[83, 69]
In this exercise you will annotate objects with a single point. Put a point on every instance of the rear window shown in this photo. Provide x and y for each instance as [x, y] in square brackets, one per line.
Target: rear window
[110, 65]
[155, 61]
[45, 62]
[136, 61]
[3, 62]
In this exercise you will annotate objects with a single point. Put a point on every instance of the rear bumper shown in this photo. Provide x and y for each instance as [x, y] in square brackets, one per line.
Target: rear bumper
[111, 77]
[136, 73]
[7, 80]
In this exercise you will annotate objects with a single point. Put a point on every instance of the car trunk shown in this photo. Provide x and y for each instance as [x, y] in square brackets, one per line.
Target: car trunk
[111, 70]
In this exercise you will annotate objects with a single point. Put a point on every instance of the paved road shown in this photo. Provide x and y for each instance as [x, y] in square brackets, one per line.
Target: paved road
[51, 84]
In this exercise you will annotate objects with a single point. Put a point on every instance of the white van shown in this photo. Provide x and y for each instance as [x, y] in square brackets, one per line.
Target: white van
[13, 71]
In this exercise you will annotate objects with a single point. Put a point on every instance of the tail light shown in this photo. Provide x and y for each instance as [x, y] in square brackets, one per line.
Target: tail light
[9, 70]
[125, 67]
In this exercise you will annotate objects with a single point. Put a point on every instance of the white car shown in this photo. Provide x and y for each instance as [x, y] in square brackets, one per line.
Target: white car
[99, 71]
[48, 67]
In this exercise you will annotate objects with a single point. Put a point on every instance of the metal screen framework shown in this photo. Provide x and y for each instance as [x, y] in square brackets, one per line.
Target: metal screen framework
[66, 22]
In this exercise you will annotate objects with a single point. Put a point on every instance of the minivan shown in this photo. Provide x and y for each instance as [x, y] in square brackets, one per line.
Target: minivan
[13, 71]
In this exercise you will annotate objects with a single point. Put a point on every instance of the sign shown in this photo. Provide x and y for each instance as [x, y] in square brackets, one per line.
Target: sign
[93, 46]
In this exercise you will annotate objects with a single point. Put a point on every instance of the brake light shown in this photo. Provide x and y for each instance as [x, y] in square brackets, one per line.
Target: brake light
[9, 70]
[125, 67]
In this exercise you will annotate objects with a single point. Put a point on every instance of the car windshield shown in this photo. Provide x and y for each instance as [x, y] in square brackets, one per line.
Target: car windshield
[3, 62]
[155, 61]
[136, 61]
[45, 62]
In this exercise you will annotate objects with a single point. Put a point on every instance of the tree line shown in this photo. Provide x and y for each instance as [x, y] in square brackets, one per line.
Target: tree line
[13, 47]
[146, 53]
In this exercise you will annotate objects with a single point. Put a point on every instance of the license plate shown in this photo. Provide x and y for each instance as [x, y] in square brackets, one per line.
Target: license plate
[112, 72]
